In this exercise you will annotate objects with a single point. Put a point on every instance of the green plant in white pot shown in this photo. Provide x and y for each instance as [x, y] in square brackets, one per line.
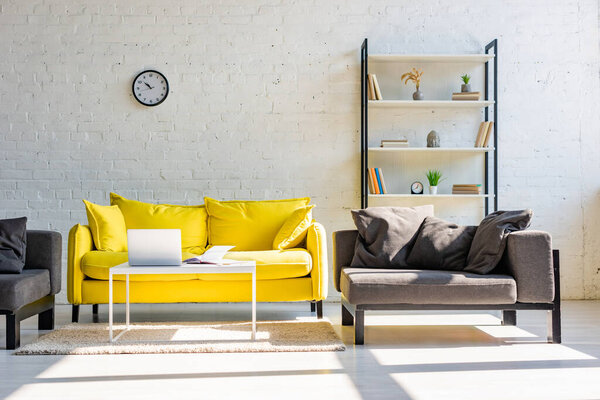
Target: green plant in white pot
[434, 177]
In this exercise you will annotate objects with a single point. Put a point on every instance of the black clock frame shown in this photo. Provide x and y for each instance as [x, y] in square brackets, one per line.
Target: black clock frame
[411, 188]
[142, 73]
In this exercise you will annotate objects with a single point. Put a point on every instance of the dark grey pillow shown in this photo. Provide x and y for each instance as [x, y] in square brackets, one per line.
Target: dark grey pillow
[441, 245]
[386, 234]
[490, 239]
[13, 243]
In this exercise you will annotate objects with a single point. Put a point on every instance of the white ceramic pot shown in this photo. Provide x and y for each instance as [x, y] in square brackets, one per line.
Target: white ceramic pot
[432, 189]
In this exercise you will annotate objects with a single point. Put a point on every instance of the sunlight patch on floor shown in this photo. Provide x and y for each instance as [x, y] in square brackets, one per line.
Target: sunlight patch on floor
[478, 354]
[432, 319]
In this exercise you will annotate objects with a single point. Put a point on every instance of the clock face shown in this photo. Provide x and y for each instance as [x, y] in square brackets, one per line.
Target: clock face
[416, 188]
[150, 88]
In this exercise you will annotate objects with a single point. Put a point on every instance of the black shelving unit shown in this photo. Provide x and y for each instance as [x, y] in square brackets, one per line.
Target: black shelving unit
[490, 48]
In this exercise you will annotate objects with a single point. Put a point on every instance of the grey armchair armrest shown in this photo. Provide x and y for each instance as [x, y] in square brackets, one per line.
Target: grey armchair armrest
[529, 261]
[343, 251]
[44, 251]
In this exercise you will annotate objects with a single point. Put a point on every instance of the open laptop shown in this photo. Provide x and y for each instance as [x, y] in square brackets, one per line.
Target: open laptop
[154, 247]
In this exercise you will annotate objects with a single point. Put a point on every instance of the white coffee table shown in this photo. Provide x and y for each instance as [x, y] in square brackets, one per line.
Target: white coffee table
[242, 267]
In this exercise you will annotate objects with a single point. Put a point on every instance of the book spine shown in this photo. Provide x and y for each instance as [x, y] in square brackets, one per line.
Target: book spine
[371, 87]
[379, 181]
[488, 133]
[371, 186]
[376, 187]
[377, 90]
[382, 181]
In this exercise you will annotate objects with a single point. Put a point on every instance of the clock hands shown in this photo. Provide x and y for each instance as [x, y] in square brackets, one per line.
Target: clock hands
[149, 87]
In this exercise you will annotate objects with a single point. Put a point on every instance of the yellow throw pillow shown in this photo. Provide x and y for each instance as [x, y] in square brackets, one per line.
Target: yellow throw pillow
[192, 220]
[293, 231]
[248, 225]
[108, 227]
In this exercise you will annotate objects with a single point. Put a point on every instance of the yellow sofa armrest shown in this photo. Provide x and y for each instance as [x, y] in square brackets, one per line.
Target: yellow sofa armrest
[80, 242]
[316, 244]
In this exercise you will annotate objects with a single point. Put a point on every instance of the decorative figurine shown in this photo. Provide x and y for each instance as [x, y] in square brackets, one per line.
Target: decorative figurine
[433, 139]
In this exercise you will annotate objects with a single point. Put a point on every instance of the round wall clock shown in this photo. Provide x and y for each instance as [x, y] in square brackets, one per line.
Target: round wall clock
[150, 88]
[416, 188]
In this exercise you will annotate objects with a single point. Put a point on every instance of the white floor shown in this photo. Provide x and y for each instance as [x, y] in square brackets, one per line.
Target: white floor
[417, 355]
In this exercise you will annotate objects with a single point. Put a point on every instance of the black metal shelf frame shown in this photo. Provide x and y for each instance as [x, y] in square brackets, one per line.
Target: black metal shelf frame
[364, 125]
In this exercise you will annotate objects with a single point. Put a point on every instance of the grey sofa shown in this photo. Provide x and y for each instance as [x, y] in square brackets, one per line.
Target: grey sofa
[32, 291]
[527, 278]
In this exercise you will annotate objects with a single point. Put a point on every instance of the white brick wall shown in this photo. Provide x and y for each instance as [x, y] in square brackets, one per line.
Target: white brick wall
[264, 104]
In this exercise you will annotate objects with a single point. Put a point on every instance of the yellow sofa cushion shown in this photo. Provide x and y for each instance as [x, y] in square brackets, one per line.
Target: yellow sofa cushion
[293, 231]
[248, 225]
[270, 264]
[192, 220]
[95, 265]
[108, 227]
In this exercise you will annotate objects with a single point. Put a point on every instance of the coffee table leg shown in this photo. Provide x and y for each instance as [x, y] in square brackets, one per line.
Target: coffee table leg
[254, 304]
[110, 307]
[127, 301]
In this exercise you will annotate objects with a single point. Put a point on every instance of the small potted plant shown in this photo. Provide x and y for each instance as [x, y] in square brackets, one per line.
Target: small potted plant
[414, 76]
[465, 87]
[434, 177]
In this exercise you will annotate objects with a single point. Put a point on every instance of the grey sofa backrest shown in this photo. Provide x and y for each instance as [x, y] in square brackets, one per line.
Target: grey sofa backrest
[343, 251]
[44, 251]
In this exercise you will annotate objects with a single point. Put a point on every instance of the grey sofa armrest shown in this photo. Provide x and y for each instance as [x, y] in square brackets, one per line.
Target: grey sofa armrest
[529, 260]
[343, 252]
[44, 251]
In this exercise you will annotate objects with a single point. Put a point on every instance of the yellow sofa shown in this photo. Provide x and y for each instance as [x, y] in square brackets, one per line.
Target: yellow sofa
[291, 274]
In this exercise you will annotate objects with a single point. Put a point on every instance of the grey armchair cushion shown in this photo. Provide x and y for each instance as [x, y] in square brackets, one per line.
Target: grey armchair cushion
[441, 245]
[13, 244]
[490, 239]
[386, 235]
[17, 290]
[44, 251]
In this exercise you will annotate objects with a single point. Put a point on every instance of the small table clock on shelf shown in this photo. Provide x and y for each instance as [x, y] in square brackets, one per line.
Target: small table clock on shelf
[416, 188]
[150, 88]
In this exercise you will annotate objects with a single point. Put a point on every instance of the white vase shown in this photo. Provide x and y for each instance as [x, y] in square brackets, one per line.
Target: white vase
[432, 189]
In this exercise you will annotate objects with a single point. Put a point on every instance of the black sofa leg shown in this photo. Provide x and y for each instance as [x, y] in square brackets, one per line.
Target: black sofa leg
[554, 329]
[13, 332]
[312, 307]
[359, 326]
[46, 320]
[509, 317]
[347, 318]
[319, 305]
[75, 313]
[95, 313]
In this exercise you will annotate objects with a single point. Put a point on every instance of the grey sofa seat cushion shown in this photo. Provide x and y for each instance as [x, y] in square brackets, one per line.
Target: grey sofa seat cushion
[386, 235]
[17, 290]
[441, 245]
[385, 286]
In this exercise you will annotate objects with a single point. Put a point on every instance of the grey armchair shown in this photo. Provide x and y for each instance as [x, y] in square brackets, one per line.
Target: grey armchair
[32, 291]
[527, 279]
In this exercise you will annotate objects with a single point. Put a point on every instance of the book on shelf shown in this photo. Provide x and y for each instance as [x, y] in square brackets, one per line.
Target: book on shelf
[373, 90]
[371, 87]
[394, 142]
[376, 181]
[373, 182]
[488, 133]
[473, 96]
[484, 134]
[466, 188]
[378, 95]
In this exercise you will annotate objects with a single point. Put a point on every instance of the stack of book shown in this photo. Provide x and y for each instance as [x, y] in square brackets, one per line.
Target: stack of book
[402, 142]
[373, 87]
[484, 134]
[376, 182]
[466, 189]
[466, 96]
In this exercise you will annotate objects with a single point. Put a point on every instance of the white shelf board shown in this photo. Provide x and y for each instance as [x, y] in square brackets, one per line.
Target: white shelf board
[429, 103]
[429, 196]
[433, 149]
[430, 58]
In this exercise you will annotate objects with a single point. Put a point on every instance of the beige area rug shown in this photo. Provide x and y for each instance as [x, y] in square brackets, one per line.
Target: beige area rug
[188, 337]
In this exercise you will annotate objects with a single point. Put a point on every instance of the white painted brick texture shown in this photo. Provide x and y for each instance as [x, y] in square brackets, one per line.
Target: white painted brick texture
[264, 103]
